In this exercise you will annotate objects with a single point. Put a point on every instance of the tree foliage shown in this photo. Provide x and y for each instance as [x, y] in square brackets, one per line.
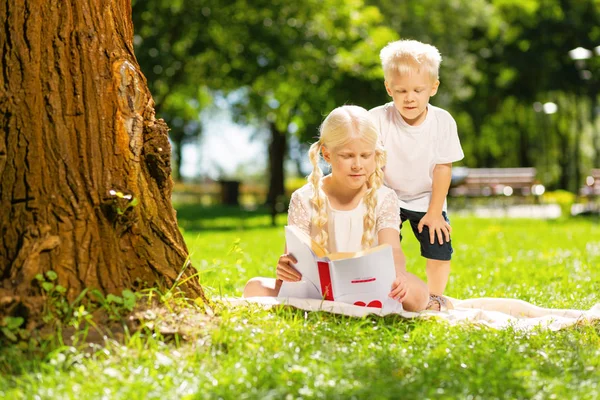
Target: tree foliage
[292, 62]
[168, 42]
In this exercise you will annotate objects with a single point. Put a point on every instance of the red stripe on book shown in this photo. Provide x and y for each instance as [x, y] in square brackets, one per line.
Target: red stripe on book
[363, 280]
[325, 278]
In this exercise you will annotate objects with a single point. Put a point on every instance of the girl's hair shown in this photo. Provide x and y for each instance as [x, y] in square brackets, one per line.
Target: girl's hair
[339, 127]
[405, 56]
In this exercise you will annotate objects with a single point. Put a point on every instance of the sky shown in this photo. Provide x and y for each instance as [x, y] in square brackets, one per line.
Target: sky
[225, 146]
[222, 147]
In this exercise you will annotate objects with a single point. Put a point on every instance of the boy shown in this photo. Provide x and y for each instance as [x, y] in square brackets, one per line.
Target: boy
[422, 143]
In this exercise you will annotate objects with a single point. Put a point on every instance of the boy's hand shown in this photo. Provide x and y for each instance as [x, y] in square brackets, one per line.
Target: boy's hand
[285, 269]
[437, 227]
[399, 288]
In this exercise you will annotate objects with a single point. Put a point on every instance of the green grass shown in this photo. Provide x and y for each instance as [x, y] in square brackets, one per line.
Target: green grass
[548, 263]
[278, 354]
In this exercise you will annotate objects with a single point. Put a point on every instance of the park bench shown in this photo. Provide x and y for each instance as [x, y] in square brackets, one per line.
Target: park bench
[591, 188]
[483, 182]
[228, 192]
[589, 195]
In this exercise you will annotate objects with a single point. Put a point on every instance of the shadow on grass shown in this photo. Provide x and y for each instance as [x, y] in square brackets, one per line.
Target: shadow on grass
[195, 217]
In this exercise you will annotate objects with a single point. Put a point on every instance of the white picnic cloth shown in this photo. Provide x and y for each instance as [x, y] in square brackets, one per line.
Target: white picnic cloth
[498, 313]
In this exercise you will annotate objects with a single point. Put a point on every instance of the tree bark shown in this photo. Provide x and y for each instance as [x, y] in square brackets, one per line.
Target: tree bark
[85, 167]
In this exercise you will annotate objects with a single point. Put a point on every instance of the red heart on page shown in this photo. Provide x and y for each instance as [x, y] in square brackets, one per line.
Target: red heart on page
[374, 303]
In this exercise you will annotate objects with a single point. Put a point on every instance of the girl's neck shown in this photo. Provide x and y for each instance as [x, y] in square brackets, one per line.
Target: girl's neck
[341, 196]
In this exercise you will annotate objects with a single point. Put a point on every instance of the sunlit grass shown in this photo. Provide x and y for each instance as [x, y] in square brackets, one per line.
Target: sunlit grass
[548, 263]
[270, 354]
[283, 353]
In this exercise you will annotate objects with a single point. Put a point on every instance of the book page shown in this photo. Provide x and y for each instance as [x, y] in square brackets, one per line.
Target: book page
[299, 245]
[365, 280]
[344, 255]
[361, 278]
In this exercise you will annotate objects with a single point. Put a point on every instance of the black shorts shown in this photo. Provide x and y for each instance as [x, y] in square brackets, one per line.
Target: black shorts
[435, 251]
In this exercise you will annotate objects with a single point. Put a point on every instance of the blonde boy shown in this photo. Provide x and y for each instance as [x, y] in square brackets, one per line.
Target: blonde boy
[422, 142]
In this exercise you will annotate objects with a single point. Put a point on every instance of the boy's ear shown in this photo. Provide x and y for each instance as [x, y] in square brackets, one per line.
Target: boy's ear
[387, 88]
[435, 87]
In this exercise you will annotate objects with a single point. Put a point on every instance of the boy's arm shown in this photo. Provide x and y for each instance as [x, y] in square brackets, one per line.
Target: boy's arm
[442, 175]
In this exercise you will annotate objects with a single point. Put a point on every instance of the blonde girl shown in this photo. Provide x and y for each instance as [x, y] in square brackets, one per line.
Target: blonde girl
[349, 209]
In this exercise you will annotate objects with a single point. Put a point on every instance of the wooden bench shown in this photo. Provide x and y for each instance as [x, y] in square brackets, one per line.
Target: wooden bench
[483, 182]
[209, 193]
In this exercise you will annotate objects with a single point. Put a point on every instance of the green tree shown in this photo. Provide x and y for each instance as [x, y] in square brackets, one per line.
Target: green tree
[168, 43]
[524, 55]
[85, 187]
[501, 56]
[296, 61]
[293, 61]
[450, 26]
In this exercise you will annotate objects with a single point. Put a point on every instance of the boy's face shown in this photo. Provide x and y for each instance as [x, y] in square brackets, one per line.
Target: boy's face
[411, 93]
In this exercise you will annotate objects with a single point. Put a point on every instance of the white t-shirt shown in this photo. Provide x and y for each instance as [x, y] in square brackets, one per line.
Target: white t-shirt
[414, 151]
[344, 228]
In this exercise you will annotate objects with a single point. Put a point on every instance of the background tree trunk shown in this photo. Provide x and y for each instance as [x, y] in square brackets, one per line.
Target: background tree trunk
[277, 152]
[177, 140]
[85, 169]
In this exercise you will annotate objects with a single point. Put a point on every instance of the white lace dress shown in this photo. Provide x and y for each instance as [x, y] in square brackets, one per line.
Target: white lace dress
[344, 228]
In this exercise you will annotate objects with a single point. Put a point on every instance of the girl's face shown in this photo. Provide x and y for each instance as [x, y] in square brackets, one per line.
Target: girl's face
[351, 164]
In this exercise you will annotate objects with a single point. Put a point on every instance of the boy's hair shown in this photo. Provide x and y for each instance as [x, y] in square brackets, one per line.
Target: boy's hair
[339, 127]
[405, 56]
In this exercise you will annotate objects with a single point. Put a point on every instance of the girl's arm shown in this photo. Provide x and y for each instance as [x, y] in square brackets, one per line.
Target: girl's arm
[285, 268]
[391, 236]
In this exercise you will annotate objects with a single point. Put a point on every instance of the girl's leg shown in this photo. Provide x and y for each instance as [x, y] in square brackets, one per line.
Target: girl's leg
[418, 295]
[262, 287]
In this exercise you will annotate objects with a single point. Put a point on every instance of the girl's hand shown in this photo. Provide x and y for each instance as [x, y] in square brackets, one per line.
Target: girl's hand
[399, 288]
[285, 269]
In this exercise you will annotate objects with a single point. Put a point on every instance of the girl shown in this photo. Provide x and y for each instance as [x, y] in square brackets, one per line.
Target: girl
[348, 210]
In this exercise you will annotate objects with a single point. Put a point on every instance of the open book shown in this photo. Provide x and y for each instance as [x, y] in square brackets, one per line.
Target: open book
[363, 278]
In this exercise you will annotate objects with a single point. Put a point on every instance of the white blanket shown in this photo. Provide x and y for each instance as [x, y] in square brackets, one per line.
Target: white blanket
[498, 313]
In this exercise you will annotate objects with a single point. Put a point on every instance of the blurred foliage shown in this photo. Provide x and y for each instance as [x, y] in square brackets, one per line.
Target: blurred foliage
[286, 59]
[523, 59]
[290, 63]
[561, 197]
[166, 47]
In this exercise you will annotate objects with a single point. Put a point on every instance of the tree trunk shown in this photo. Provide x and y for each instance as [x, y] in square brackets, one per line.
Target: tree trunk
[277, 151]
[85, 167]
[596, 130]
[564, 162]
[524, 147]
